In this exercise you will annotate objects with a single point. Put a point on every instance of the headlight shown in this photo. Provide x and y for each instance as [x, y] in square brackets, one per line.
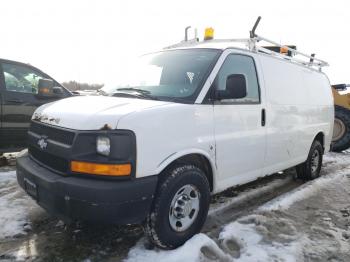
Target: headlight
[103, 145]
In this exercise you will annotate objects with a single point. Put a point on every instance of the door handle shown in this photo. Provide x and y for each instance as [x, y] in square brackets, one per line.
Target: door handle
[15, 100]
[263, 117]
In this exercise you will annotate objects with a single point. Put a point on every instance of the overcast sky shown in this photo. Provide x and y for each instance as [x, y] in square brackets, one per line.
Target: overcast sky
[88, 41]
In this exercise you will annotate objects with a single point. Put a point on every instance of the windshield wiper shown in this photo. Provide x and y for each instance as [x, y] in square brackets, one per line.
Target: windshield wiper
[141, 93]
[134, 89]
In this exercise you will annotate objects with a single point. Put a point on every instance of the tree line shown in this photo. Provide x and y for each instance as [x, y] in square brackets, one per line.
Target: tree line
[74, 86]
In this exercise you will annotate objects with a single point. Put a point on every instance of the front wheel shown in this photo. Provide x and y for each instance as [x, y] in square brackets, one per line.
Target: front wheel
[180, 207]
[311, 168]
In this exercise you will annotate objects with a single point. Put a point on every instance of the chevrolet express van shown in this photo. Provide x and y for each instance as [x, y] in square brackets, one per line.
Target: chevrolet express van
[191, 121]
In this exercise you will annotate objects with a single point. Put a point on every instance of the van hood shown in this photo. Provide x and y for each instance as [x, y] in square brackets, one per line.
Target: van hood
[91, 112]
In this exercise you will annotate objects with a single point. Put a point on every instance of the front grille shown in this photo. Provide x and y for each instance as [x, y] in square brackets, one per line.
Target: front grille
[53, 133]
[54, 162]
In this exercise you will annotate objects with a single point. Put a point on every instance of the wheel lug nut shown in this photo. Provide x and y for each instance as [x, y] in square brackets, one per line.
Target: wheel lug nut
[181, 202]
[178, 209]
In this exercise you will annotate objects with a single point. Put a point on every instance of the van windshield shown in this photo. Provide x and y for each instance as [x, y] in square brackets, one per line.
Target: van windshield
[174, 75]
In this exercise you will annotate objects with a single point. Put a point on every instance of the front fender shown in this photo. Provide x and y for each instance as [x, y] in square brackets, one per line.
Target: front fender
[176, 155]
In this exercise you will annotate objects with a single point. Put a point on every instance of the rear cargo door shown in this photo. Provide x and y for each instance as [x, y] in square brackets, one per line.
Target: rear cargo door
[239, 125]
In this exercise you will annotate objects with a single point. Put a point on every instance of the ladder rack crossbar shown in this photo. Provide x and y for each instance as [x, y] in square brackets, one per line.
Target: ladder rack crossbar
[292, 59]
[321, 62]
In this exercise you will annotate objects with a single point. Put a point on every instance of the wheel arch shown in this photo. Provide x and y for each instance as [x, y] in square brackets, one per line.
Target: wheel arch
[198, 158]
[321, 138]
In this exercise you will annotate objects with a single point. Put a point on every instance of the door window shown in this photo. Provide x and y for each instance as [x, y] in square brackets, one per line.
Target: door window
[240, 64]
[20, 78]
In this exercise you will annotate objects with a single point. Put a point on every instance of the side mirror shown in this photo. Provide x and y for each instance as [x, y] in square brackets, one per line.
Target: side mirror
[75, 93]
[45, 87]
[236, 88]
[57, 90]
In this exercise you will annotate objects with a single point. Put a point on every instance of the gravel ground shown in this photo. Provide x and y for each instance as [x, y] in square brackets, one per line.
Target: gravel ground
[277, 218]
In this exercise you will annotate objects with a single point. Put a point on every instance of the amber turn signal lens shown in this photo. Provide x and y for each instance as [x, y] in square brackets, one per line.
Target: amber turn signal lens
[284, 50]
[45, 90]
[101, 169]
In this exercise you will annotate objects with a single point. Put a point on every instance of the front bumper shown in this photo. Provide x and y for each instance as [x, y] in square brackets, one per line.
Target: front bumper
[88, 199]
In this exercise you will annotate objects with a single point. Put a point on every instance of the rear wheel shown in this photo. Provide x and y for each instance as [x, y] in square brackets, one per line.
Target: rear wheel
[311, 168]
[341, 130]
[180, 207]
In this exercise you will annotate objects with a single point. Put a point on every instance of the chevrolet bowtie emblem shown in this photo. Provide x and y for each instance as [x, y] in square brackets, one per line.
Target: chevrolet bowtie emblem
[42, 143]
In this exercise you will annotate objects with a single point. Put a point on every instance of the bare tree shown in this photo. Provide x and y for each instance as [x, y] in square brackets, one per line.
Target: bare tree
[74, 86]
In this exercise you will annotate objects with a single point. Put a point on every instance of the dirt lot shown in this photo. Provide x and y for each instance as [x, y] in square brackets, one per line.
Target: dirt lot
[277, 218]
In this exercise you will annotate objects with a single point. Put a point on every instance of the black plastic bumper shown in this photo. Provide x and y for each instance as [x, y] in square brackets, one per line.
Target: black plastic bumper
[79, 198]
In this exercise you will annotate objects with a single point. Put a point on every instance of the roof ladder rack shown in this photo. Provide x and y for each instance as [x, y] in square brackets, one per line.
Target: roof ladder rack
[254, 39]
[252, 44]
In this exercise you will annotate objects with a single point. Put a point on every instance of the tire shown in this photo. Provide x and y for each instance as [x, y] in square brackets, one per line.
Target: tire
[311, 168]
[165, 226]
[341, 134]
[3, 160]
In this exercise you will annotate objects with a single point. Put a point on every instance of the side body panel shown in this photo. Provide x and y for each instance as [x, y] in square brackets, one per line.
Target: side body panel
[299, 106]
[240, 144]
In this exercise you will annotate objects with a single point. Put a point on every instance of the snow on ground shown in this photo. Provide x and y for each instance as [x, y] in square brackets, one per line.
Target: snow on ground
[192, 250]
[14, 207]
[312, 187]
[245, 234]
[238, 241]
[303, 192]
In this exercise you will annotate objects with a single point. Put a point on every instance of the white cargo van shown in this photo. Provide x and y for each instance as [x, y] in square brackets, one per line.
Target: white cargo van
[194, 120]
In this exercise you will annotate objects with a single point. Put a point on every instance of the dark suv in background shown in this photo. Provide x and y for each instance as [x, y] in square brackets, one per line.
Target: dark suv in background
[23, 88]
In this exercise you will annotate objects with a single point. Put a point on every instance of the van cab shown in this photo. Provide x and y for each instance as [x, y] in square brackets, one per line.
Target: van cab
[188, 122]
[19, 97]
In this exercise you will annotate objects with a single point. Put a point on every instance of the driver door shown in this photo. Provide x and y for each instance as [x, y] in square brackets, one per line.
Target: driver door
[240, 131]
